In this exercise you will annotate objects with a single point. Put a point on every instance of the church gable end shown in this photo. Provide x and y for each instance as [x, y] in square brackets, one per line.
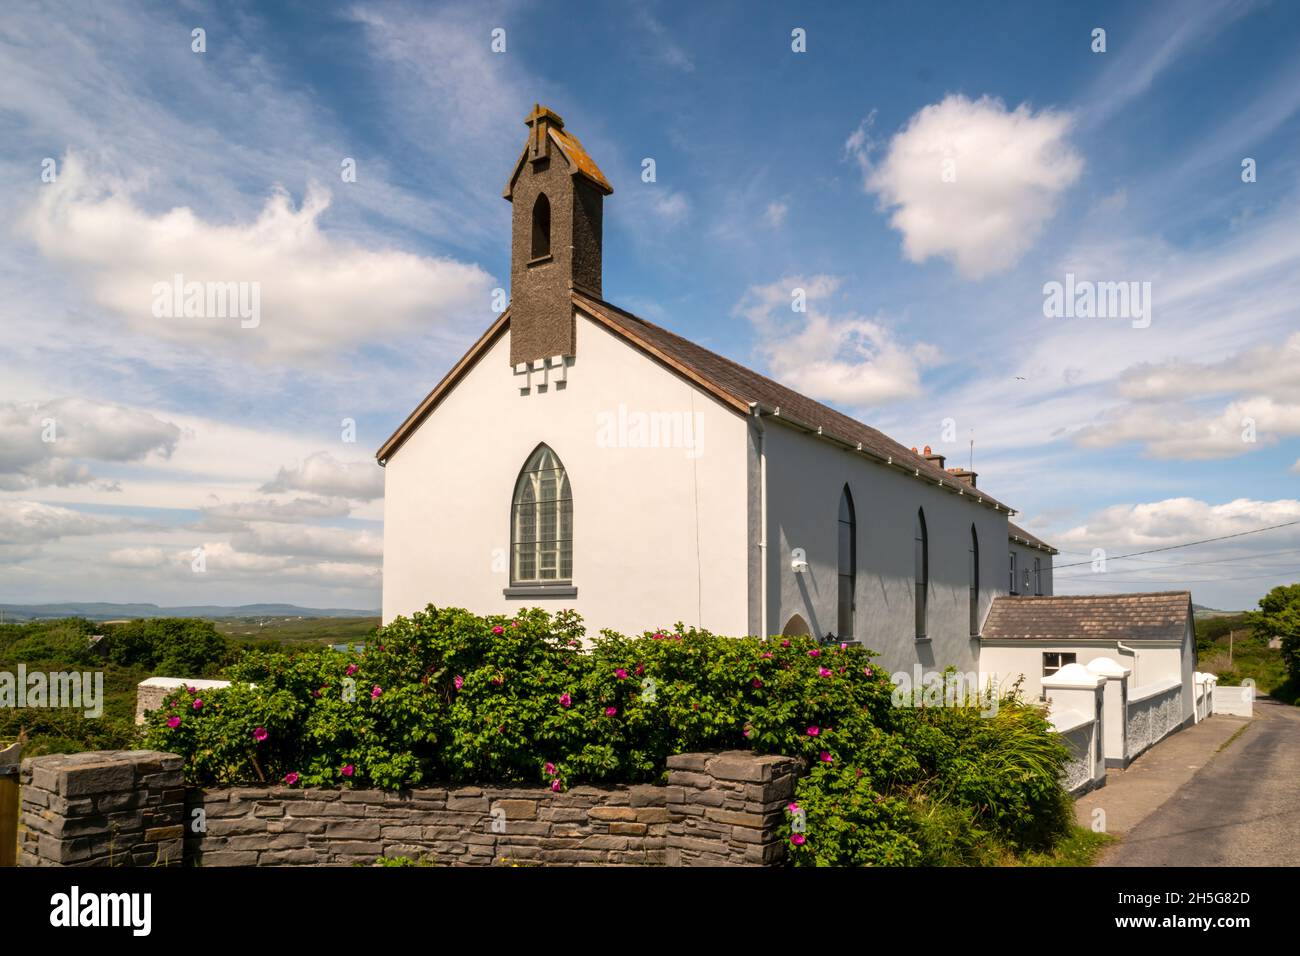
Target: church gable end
[557, 194]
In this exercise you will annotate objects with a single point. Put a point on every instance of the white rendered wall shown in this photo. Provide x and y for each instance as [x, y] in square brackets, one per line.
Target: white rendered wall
[659, 533]
[805, 477]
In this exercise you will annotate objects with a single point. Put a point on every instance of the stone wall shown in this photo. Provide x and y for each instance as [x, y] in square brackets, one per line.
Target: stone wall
[127, 808]
[103, 808]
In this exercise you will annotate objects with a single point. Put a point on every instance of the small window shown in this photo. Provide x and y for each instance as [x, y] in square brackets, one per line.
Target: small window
[921, 562]
[1012, 588]
[974, 582]
[541, 522]
[1038, 576]
[848, 564]
[1054, 661]
[541, 227]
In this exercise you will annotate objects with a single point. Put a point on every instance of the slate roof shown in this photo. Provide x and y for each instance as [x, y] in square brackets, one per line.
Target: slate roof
[728, 381]
[742, 387]
[1021, 536]
[1155, 616]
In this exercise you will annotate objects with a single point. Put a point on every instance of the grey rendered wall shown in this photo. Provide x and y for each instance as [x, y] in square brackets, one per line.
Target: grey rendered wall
[805, 476]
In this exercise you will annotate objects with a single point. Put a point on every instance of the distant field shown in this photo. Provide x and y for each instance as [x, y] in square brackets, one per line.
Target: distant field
[298, 630]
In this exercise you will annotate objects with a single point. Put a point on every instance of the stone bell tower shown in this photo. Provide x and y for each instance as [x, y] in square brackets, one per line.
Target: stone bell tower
[556, 191]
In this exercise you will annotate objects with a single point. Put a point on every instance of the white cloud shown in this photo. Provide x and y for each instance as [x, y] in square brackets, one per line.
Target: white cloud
[1008, 170]
[775, 213]
[317, 294]
[31, 522]
[849, 359]
[672, 207]
[41, 443]
[309, 541]
[267, 509]
[146, 557]
[323, 474]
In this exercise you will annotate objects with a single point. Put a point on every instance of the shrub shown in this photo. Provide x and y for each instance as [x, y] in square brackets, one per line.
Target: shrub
[170, 646]
[447, 695]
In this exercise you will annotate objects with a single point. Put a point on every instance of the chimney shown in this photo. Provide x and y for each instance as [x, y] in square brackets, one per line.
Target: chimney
[932, 458]
[557, 193]
[963, 474]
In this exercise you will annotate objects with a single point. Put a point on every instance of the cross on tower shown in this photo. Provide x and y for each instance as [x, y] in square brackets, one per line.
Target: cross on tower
[538, 120]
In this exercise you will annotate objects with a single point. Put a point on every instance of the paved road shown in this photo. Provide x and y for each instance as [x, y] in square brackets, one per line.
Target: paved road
[1242, 808]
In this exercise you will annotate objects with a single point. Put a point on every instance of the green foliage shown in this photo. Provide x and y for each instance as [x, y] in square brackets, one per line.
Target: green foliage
[447, 695]
[168, 646]
[1279, 617]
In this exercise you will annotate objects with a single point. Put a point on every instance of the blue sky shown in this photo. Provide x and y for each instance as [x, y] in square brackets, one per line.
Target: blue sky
[775, 170]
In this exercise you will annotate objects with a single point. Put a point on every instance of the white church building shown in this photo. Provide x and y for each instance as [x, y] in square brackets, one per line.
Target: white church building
[580, 457]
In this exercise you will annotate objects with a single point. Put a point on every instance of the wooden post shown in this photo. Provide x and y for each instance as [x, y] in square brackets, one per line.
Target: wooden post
[10, 760]
[1231, 635]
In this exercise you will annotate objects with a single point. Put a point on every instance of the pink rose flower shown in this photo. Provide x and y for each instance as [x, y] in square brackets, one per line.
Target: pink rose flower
[621, 674]
[611, 711]
[786, 642]
[348, 769]
[823, 672]
[793, 808]
[814, 653]
[756, 683]
[173, 722]
[555, 785]
[826, 757]
[565, 700]
[260, 734]
[657, 637]
[813, 731]
[198, 704]
[352, 669]
[798, 839]
[458, 681]
[291, 778]
[866, 671]
[550, 769]
[766, 655]
[640, 669]
[498, 629]
[375, 692]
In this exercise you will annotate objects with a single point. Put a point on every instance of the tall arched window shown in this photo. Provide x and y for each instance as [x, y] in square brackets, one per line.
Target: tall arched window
[848, 564]
[541, 522]
[541, 227]
[921, 561]
[974, 582]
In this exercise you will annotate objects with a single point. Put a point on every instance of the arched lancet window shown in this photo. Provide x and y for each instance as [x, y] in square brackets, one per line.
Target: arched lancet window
[541, 227]
[796, 627]
[541, 522]
[848, 564]
[921, 560]
[974, 582]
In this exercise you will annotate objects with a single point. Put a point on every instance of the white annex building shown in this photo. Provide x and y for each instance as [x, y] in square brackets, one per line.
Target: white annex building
[580, 457]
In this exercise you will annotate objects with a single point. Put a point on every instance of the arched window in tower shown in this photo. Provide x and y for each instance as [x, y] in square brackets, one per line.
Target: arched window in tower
[921, 562]
[541, 522]
[541, 227]
[974, 582]
[848, 564]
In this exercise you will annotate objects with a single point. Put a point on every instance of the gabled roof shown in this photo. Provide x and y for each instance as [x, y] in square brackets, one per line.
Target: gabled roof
[1154, 616]
[579, 159]
[743, 389]
[740, 388]
[1020, 536]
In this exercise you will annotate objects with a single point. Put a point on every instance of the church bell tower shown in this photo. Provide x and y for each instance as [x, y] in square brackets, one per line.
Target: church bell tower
[556, 191]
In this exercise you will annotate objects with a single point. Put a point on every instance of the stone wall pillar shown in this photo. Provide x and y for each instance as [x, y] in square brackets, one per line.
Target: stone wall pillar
[725, 809]
[102, 808]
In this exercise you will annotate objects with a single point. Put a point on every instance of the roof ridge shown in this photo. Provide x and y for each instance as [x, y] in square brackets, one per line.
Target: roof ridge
[889, 448]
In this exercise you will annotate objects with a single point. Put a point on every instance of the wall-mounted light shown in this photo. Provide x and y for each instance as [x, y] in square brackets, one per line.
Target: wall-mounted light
[798, 560]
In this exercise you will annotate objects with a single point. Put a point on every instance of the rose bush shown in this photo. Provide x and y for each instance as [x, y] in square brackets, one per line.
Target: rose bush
[446, 695]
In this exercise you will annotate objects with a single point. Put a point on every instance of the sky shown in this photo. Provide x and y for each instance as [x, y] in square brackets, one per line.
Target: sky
[924, 173]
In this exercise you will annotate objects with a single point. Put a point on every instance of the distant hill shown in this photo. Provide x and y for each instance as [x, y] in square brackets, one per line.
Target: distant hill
[102, 611]
[1201, 611]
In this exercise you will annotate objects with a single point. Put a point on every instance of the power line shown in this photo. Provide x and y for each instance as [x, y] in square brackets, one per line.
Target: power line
[1189, 544]
[1191, 564]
